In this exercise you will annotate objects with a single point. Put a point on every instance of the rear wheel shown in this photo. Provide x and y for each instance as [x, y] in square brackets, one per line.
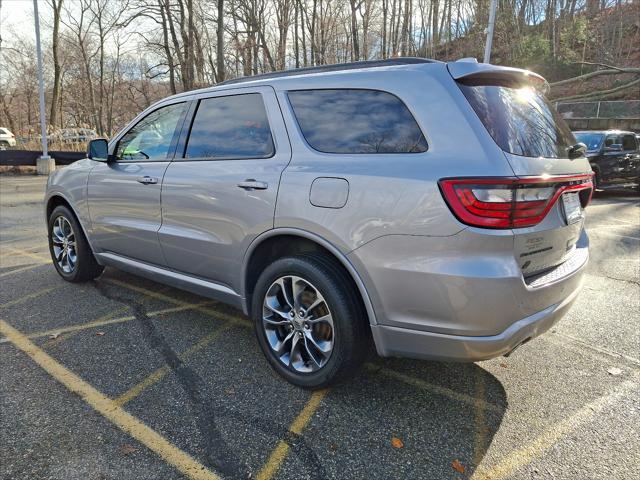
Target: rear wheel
[69, 248]
[309, 321]
[596, 180]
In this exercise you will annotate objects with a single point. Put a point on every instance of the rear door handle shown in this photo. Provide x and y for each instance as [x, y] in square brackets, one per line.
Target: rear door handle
[251, 184]
[147, 180]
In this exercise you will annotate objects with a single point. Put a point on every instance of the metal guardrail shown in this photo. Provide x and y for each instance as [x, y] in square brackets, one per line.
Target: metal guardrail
[16, 158]
[618, 109]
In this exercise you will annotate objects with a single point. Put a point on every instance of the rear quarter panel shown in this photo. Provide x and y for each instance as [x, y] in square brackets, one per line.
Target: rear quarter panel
[389, 194]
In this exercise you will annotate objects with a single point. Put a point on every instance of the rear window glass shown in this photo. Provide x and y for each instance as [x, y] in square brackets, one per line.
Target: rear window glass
[520, 120]
[356, 121]
[231, 127]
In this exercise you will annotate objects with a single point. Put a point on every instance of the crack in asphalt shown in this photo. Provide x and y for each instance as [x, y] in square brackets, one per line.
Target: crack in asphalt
[634, 282]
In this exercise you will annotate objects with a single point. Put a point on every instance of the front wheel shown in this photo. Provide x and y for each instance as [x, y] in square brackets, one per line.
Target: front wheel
[309, 321]
[69, 248]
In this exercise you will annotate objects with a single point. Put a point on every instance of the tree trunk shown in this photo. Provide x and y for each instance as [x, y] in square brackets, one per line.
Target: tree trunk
[220, 42]
[53, 116]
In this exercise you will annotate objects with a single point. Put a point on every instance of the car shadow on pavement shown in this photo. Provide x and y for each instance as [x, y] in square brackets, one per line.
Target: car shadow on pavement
[443, 414]
[395, 418]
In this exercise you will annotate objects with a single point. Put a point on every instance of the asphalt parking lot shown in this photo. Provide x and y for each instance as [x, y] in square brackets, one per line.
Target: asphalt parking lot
[123, 378]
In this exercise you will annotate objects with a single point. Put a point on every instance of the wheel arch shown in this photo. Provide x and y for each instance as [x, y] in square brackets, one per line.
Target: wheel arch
[287, 241]
[56, 199]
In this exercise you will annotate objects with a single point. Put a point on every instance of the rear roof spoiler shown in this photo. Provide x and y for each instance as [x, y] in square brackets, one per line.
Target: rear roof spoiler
[466, 70]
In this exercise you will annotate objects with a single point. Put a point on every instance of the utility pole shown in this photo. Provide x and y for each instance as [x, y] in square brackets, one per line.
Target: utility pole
[44, 164]
[492, 23]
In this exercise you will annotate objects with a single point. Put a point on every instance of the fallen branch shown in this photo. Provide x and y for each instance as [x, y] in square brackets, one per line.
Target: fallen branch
[611, 67]
[599, 95]
[587, 76]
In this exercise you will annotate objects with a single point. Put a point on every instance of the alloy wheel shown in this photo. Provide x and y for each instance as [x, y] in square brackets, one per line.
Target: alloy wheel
[298, 324]
[64, 244]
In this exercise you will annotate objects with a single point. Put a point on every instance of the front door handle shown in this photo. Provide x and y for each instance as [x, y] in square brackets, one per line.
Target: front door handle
[252, 184]
[147, 180]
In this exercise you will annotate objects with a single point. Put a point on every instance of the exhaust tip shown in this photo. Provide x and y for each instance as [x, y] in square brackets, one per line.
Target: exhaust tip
[508, 354]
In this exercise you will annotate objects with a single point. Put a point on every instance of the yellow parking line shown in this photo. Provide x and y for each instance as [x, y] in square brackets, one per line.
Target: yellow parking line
[100, 323]
[34, 256]
[23, 269]
[167, 298]
[163, 371]
[517, 459]
[569, 341]
[145, 291]
[29, 296]
[480, 425]
[109, 409]
[282, 449]
[59, 339]
[424, 385]
[21, 240]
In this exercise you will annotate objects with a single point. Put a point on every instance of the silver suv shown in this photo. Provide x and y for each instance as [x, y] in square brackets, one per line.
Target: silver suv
[434, 210]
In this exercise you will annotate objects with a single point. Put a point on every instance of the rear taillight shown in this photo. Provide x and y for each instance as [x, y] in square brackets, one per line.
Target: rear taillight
[510, 202]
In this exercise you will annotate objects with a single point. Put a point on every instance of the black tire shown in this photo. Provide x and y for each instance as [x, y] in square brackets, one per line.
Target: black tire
[596, 180]
[85, 267]
[351, 334]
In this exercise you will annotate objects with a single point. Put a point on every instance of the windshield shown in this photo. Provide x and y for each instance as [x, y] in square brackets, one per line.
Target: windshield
[520, 120]
[591, 140]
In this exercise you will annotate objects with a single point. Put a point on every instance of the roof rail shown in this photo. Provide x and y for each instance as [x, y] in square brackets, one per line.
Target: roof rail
[332, 68]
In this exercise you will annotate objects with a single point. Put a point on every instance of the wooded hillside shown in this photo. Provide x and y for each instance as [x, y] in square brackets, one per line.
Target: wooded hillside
[108, 59]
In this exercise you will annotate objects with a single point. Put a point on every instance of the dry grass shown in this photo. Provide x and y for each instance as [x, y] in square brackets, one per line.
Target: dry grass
[55, 146]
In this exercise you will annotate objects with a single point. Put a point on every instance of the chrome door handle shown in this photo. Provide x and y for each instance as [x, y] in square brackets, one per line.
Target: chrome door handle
[146, 180]
[251, 184]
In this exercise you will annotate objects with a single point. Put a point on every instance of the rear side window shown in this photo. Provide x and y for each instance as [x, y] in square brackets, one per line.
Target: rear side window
[629, 142]
[520, 120]
[356, 121]
[230, 127]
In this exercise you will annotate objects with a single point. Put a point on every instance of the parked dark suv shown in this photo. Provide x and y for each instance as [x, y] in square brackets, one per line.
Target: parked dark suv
[614, 156]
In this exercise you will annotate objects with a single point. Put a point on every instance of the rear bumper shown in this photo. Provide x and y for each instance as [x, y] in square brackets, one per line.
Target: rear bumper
[404, 342]
[462, 297]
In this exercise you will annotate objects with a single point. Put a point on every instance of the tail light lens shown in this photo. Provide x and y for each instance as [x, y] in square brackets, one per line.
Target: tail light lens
[510, 202]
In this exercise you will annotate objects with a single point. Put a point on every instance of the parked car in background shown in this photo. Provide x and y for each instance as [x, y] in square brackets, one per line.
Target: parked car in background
[7, 139]
[73, 135]
[614, 156]
[394, 203]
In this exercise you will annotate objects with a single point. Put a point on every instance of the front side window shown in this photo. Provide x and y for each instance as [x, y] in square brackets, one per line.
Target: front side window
[232, 127]
[613, 140]
[356, 121]
[151, 137]
[520, 120]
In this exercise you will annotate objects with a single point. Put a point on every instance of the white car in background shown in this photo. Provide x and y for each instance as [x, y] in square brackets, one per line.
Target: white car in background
[7, 139]
[73, 135]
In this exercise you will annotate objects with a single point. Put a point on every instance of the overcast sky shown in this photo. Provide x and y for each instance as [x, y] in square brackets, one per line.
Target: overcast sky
[16, 17]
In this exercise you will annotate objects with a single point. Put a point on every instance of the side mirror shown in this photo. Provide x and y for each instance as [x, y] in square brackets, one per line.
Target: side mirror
[576, 151]
[98, 149]
[615, 147]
